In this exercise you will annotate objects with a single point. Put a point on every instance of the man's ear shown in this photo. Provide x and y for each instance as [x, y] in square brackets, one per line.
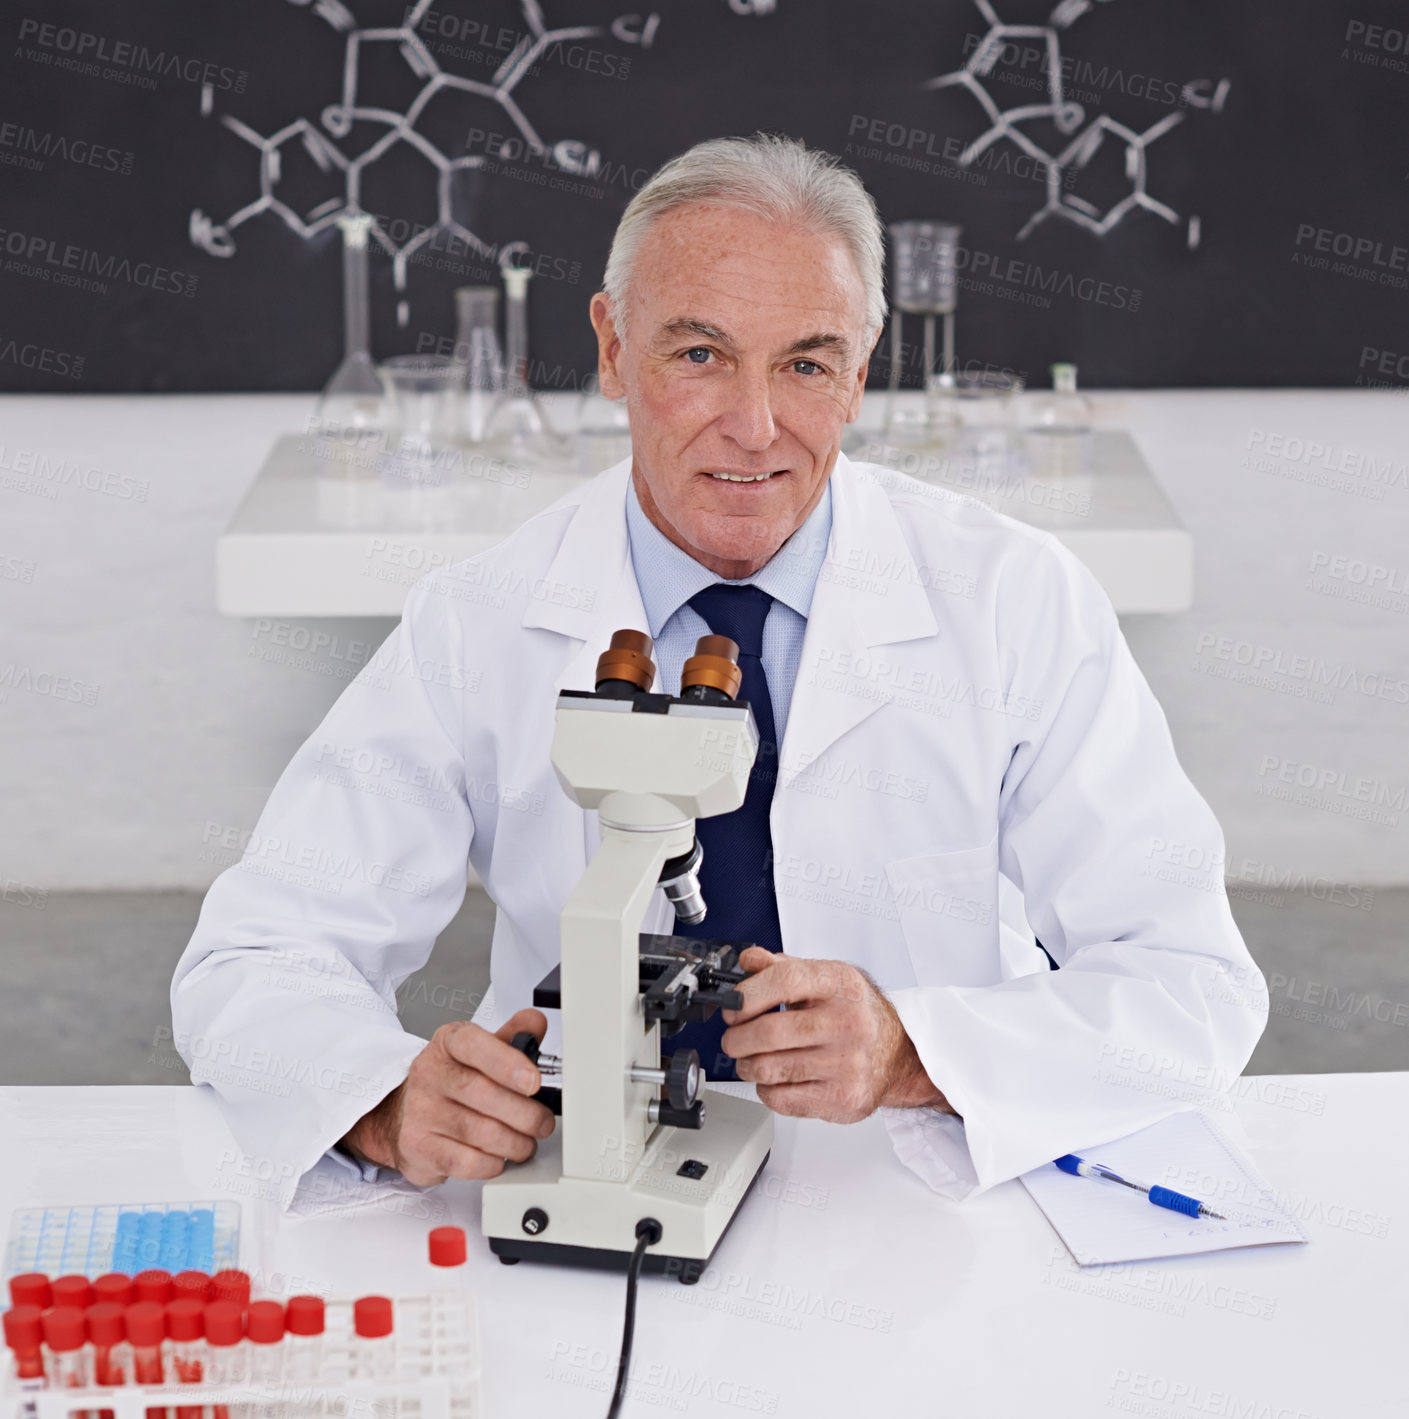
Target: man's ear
[858, 390]
[608, 347]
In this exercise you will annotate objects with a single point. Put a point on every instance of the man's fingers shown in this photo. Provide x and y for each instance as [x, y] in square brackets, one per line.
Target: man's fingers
[492, 1055]
[485, 1096]
[789, 1066]
[534, 1021]
[774, 983]
[491, 1136]
[809, 1100]
[454, 1159]
[789, 1029]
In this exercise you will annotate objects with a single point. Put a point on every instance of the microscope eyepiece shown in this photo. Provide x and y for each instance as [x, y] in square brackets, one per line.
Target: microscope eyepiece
[712, 673]
[626, 667]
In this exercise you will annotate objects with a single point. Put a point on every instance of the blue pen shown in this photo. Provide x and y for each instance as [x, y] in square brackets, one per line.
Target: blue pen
[1160, 1196]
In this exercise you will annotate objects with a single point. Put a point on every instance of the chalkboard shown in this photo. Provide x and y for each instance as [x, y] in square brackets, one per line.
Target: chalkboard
[1225, 185]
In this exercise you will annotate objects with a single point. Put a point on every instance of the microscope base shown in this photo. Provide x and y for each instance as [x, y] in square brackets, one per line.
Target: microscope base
[532, 1212]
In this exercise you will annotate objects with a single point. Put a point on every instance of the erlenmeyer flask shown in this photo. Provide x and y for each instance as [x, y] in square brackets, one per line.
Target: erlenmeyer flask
[518, 426]
[353, 405]
[478, 354]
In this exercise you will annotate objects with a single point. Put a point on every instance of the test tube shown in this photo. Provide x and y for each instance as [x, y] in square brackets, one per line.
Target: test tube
[265, 1327]
[231, 1286]
[191, 1286]
[304, 1347]
[447, 1246]
[152, 1287]
[31, 1289]
[65, 1336]
[373, 1356]
[145, 1324]
[75, 1291]
[111, 1355]
[185, 1328]
[24, 1333]
[227, 1362]
[113, 1289]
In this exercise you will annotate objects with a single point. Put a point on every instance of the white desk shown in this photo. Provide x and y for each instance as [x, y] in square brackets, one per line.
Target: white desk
[845, 1286]
[310, 541]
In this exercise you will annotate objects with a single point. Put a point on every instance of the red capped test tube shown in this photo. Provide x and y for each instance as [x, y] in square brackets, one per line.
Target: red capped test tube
[112, 1356]
[64, 1338]
[264, 1325]
[373, 1356]
[152, 1287]
[191, 1286]
[304, 1321]
[113, 1289]
[145, 1323]
[75, 1291]
[31, 1289]
[231, 1286]
[24, 1334]
[185, 1330]
[227, 1360]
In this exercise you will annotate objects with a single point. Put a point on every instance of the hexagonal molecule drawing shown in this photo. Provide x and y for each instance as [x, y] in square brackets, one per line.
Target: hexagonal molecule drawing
[1067, 117]
[347, 174]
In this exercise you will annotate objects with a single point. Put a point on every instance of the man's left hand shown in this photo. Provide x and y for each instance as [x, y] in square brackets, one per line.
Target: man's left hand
[838, 1052]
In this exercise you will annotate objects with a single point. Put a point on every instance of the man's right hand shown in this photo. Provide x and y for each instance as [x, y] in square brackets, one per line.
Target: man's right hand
[465, 1108]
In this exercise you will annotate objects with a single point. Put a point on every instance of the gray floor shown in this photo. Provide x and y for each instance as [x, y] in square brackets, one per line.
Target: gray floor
[83, 984]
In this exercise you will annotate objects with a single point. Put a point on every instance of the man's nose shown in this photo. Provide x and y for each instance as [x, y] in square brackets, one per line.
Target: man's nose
[748, 414]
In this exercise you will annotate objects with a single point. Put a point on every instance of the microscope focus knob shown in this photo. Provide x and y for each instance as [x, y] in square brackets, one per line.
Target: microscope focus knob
[682, 1079]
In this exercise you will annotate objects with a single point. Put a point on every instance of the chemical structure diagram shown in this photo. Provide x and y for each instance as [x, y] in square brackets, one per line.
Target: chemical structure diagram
[320, 140]
[1061, 169]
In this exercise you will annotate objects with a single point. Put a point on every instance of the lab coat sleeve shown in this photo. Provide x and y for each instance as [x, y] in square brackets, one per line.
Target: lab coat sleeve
[284, 1001]
[1157, 1004]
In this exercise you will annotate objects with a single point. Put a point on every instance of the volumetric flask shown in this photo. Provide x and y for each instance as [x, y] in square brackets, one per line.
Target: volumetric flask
[353, 405]
[478, 354]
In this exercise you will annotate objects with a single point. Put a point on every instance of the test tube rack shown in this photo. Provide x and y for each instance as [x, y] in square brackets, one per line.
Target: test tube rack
[434, 1374]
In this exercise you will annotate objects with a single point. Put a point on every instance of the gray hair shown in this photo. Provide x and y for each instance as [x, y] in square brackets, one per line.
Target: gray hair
[775, 177]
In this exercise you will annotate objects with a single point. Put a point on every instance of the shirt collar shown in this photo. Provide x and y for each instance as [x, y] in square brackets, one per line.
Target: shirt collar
[669, 576]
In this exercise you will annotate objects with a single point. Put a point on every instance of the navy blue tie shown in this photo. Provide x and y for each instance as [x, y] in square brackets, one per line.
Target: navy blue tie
[736, 876]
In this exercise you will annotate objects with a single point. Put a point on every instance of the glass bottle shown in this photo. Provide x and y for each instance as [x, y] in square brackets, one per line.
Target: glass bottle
[373, 1352]
[1059, 429]
[64, 1338]
[185, 1332]
[304, 1321]
[352, 407]
[518, 428]
[477, 352]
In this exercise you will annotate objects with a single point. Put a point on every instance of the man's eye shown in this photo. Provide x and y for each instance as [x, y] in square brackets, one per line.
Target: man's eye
[698, 355]
[807, 367]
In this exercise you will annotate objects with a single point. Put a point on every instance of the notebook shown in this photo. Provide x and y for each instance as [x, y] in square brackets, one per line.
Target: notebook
[1103, 1222]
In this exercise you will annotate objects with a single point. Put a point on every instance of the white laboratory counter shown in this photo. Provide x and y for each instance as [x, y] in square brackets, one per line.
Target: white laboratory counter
[321, 536]
[845, 1286]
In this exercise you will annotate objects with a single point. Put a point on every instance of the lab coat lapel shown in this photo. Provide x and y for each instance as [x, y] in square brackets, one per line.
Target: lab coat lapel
[869, 593]
[594, 563]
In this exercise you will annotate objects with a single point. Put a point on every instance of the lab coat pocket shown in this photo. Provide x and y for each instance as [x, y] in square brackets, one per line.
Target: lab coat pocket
[948, 906]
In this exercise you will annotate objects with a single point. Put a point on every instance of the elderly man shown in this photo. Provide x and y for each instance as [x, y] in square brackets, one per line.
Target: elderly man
[955, 743]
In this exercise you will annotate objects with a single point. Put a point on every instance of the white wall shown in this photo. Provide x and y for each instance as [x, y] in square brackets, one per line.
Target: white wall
[189, 726]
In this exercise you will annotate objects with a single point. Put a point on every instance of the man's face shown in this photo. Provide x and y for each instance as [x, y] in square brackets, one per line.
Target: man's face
[744, 360]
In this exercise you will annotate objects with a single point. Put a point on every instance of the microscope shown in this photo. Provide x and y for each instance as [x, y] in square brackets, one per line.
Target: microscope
[638, 1143]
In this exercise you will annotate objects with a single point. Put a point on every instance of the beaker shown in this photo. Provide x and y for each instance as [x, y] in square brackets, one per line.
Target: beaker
[352, 409]
[518, 428]
[478, 354]
[421, 452]
[924, 281]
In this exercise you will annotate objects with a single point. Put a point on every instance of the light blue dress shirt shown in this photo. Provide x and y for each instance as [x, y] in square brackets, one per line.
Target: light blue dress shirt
[669, 576]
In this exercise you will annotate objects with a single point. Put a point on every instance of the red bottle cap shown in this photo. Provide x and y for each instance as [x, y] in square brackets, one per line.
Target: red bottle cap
[113, 1289]
[266, 1322]
[185, 1319]
[224, 1323]
[145, 1323]
[23, 1327]
[64, 1329]
[230, 1286]
[104, 1323]
[190, 1286]
[304, 1315]
[152, 1286]
[31, 1289]
[74, 1291]
[371, 1316]
[447, 1246]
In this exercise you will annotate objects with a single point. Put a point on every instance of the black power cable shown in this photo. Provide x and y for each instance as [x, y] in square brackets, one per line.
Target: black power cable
[648, 1233]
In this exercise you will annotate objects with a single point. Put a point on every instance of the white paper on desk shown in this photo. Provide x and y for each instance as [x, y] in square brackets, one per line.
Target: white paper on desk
[1104, 1222]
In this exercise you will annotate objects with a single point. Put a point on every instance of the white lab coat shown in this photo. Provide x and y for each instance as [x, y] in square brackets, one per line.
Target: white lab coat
[968, 735]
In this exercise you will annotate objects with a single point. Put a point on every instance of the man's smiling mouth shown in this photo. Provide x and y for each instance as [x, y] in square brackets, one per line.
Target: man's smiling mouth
[746, 477]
